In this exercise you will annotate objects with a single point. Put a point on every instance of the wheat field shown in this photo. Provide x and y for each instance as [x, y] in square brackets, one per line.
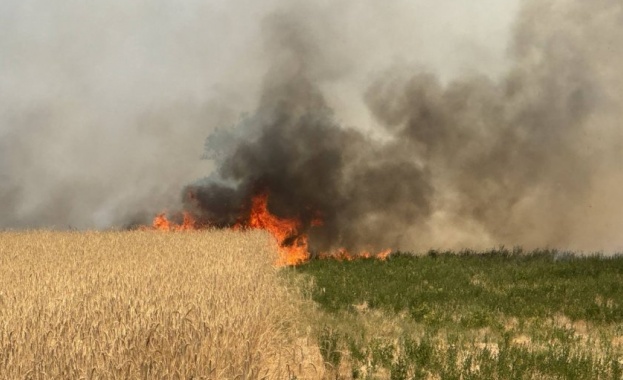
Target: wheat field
[147, 305]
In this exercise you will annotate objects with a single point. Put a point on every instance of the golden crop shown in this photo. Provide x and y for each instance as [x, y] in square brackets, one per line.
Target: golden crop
[144, 305]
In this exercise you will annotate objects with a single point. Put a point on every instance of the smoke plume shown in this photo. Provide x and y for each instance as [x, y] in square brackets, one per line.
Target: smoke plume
[461, 151]
[517, 157]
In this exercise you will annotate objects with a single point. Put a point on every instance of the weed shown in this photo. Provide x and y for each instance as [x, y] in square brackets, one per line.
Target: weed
[501, 314]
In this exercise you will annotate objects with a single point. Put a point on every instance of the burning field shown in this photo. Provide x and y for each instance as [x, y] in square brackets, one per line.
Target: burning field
[227, 189]
[331, 126]
[529, 158]
[289, 234]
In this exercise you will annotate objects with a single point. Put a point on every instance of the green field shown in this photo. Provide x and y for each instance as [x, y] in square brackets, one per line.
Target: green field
[498, 314]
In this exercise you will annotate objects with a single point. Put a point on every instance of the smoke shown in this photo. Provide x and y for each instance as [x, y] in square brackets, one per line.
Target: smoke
[104, 106]
[516, 159]
[401, 125]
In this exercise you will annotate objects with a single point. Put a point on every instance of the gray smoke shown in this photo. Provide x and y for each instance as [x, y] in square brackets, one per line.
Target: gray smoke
[364, 115]
[519, 157]
[104, 105]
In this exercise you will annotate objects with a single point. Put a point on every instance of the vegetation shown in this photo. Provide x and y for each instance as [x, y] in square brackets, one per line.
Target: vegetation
[499, 314]
[146, 305]
[211, 305]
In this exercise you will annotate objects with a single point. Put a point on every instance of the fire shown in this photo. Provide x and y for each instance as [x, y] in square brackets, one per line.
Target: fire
[293, 245]
[345, 255]
[293, 242]
[162, 223]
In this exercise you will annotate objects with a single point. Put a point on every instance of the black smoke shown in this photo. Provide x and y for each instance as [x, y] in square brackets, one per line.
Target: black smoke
[313, 168]
[516, 156]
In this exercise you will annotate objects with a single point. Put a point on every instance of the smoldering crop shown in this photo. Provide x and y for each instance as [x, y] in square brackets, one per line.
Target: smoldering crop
[521, 158]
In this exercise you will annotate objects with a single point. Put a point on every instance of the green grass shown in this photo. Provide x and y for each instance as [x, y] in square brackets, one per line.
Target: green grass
[497, 314]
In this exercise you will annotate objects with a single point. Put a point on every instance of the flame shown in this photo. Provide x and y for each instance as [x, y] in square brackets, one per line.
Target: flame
[343, 254]
[162, 223]
[293, 245]
[293, 242]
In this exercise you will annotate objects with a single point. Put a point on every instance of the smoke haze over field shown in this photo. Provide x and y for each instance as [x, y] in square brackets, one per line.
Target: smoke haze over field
[403, 124]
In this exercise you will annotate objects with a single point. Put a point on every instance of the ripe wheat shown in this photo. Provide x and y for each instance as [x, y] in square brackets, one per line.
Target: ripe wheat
[142, 304]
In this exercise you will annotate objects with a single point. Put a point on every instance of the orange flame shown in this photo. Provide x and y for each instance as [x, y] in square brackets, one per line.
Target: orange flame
[162, 223]
[343, 254]
[293, 243]
[293, 246]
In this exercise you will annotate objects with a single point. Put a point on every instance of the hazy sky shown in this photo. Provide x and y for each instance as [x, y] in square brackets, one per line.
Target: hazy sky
[105, 105]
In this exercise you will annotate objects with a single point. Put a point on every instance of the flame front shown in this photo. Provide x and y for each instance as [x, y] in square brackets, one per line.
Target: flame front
[162, 223]
[344, 254]
[293, 242]
[293, 245]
